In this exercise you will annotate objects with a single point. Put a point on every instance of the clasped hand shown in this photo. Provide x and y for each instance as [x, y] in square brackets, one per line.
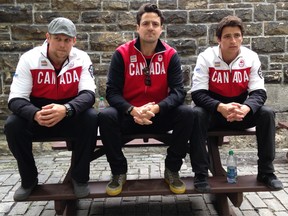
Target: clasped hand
[233, 111]
[142, 115]
[50, 115]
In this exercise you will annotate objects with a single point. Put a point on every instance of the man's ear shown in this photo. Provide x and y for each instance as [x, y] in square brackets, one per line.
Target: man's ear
[47, 36]
[219, 40]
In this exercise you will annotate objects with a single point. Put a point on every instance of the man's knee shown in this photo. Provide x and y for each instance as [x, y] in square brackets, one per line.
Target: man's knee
[200, 113]
[89, 117]
[13, 124]
[108, 114]
[267, 112]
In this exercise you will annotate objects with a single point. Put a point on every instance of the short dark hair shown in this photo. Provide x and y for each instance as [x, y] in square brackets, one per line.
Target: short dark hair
[147, 8]
[229, 21]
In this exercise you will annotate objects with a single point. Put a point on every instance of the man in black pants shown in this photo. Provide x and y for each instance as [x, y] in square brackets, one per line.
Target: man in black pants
[52, 95]
[228, 90]
[146, 94]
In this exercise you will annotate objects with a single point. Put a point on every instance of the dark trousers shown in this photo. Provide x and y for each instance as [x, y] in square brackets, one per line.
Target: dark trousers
[113, 125]
[263, 119]
[82, 128]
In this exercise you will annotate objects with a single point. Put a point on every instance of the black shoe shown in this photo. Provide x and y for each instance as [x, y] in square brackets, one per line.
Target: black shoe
[201, 184]
[80, 189]
[23, 193]
[270, 180]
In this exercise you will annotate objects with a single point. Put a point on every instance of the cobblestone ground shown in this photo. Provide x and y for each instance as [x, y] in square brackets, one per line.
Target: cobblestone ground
[143, 163]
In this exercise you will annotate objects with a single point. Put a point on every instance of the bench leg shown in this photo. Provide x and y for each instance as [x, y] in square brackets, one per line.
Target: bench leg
[62, 205]
[216, 167]
[70, 208]
[236, 198]
[59, 206]
[222, 205]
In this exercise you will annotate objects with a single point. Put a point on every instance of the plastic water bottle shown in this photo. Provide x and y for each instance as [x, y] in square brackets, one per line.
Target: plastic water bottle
[231, 168]
[101, 104]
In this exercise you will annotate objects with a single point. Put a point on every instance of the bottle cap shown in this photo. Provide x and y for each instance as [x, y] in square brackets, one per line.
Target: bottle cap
[101, 98]
[231, 152]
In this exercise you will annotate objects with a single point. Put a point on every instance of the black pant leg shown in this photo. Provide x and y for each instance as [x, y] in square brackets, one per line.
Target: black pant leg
[110, 130]
[198, 152]
[265, 133]
[181, 119]
[85, 132]
[19, 140]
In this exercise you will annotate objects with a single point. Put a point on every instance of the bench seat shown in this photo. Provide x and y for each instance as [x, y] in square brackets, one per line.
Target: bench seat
[151, 187]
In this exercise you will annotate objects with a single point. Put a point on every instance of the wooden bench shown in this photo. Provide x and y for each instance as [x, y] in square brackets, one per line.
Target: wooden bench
[284, 125]
[66, 202]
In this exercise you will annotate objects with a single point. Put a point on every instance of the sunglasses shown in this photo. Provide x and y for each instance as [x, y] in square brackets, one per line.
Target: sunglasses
[147, 80]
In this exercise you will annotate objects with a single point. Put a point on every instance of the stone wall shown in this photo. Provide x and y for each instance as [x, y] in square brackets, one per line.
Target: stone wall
[190, 25]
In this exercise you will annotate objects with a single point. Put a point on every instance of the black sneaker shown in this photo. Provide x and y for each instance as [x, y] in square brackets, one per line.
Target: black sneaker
[23, 193]
[80, 189]
[270, 180]
[176, 185]
[114, 187]
[201, 184]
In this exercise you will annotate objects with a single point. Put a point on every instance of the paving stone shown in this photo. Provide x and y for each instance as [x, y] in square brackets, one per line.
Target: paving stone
[282, 197]
[97, 207]
[256, 201]
[197, 203]
[274, 205]
[284, 213]
[20, 208]
[265, 195]
[5, 207]
[35, 208]
[246, 205]
[266, 212]
[48, 212]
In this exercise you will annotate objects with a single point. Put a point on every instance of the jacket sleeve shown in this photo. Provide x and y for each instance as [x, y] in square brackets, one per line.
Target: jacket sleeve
[177, 92]
[115, 84]
[203, 99]
[257, 92]
[23, 108]
[200, 86]
[84, 100]
[19, 97]
[256, 99]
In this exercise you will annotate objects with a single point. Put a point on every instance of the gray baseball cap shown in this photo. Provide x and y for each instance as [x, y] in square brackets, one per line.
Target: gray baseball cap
[62, 25]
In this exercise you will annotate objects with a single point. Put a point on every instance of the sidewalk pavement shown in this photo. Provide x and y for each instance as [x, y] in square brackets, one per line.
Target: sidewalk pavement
[143, 163]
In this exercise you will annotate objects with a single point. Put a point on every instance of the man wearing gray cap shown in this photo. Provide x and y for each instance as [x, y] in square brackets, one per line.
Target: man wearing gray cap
[52, 95]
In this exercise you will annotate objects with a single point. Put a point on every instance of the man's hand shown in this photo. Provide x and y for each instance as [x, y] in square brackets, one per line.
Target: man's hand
[143, 115]
[233, 111]
[50, 115]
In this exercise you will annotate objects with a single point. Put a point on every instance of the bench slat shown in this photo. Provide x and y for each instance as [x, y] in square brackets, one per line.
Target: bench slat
[140, 140]
[146, 187]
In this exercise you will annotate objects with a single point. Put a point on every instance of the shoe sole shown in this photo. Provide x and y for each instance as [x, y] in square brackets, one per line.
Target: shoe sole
[114, 192]
[176, 190]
